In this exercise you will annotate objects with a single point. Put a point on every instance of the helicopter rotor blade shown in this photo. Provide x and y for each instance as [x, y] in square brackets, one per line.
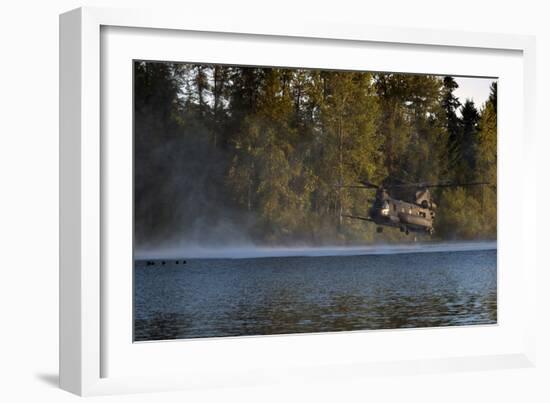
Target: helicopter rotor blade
[356, 217]
[364, 184]
[447, 185]
[436, 185]
[368, 184]
[356, 187]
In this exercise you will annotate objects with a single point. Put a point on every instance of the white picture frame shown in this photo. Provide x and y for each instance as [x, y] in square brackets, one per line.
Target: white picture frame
[96, 356]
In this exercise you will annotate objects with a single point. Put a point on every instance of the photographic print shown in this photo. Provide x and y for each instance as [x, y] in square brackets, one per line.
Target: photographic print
[271, 200]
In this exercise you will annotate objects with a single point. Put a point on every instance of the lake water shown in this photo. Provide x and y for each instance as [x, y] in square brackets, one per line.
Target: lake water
[298, 294]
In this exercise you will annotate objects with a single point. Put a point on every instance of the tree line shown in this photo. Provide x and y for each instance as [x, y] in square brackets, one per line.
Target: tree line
[263, 150]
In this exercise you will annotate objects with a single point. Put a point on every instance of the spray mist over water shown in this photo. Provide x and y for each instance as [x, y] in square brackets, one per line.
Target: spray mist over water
[251, 251]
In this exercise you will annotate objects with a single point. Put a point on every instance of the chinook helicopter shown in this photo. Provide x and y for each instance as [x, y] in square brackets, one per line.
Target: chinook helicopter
[407, 206]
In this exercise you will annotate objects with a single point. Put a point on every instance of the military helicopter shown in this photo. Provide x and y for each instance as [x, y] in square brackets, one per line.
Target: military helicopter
[407, 206]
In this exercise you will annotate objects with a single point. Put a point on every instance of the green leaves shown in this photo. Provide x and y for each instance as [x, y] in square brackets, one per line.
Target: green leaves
[263, 150]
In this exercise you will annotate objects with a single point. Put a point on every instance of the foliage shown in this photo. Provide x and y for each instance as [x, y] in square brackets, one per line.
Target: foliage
[264, 150]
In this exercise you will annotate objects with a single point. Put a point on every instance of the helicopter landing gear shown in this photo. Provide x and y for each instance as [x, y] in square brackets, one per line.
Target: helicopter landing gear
[379, 229]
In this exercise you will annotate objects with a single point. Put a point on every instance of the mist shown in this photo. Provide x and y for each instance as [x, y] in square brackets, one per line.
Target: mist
[252, 251]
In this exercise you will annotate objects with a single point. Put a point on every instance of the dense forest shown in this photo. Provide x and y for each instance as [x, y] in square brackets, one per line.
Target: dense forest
[228, 154]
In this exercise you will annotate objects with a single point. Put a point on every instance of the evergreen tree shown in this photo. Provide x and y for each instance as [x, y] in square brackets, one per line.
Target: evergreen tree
[467, 142]
[493, 95]
[487, 163]
[394, 128]
[452, 124]
[155, 125]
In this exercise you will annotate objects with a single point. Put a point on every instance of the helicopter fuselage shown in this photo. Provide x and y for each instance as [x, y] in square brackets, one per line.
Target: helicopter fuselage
[408, 217]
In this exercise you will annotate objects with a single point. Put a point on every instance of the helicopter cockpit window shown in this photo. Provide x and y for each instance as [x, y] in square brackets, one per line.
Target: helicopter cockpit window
[385, 208]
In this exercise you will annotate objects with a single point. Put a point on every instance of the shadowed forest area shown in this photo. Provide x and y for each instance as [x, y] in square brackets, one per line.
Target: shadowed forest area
[227, 154]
